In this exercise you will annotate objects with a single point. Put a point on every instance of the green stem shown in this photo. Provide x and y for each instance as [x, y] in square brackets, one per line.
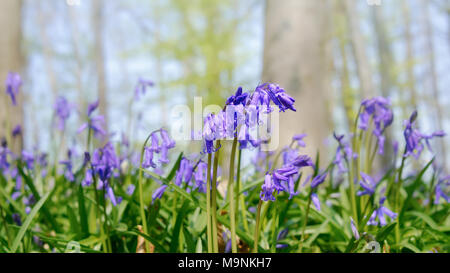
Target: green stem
[256, 234]
[214, 199]
[274, 228]
[231, 194]
[97, 203]
[8, 235]
[141, 193]
[300, 248]
[208, 205]
[397, 198]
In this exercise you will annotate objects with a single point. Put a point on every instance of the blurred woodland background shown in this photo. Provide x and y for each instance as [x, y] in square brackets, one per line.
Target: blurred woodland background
[328, 54]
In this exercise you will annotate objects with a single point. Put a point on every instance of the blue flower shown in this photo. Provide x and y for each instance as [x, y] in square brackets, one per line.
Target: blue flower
[319, 179]
[315, 200]
[439, 192]
[157, 194]
[62, 111]
[354, 229]
[379, 214]
[368, 184]
[13, 83]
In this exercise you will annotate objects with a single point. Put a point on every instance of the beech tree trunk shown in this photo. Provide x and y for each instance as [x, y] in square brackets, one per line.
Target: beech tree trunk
[11, 60]
[297, 57]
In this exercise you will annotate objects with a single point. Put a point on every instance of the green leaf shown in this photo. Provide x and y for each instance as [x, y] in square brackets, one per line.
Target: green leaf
[36, 195]
[384, 232]
[82, 212]
[181, 214]
[27, 222]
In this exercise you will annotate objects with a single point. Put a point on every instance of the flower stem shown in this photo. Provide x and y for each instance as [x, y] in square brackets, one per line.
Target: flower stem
[231, 194]
[397, 197]
[300, 248]
[208, 205]
[214, 199]
[141, 193]
[256, 234]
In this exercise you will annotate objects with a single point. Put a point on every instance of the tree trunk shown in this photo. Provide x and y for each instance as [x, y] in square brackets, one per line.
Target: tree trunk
[11, 59]
[433, 78]
[297, 57]
[410, 60]
[385, 71]
[98, 24]
[358, 46]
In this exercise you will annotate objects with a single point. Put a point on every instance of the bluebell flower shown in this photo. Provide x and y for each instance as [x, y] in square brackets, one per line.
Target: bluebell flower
[267, 189]
[17, 130]
[354, 229]
[413, 137]
[157, 194]
[28, 158]
[62, 112]
[368, 185]
[439, 191]
[13, 83]
[315, 200]
[94, 123]
[130, 189]
[379, 214]
[141, 87]
[299, 139]
[378, 110]
[319, 179]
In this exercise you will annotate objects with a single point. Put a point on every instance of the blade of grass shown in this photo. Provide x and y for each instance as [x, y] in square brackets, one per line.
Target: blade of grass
[27, 222]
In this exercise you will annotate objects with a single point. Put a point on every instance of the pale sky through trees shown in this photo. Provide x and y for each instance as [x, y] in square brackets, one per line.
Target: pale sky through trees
[155, 41]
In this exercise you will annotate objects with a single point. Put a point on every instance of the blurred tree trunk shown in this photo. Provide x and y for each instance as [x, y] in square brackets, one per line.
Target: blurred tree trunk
[385, 66]
[297, 56]
[98, 24]
[433, 77]
[410, 60]
[359, 47]
[43, 18]
[347, 94]
[11, 59]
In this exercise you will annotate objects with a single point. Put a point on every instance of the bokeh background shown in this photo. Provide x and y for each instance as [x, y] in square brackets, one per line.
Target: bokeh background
[328, 54]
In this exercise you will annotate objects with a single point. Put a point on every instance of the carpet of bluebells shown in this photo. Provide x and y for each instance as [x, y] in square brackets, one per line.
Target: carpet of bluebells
[118, 197]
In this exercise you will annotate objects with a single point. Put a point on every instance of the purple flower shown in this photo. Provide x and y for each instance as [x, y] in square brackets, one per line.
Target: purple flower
[354, 229]
[130, 189]
[154, 147]
[94, 123]
[302, 161]
[299, 138]
[166, 141]
[413, 137]
[111, 196]
[16, 219]
[141, 87]
[92, 107]
[315, 200]
[62, 111]
[267, 189]
[200, 176]
[13, 83]
[378, 110]
[379, 214]
[17, 130]
[237, 98]
[158, 193]
[368, 184]
[28, 158]
[319, 179]
[68, 174]
[184, 173]
[439, 192]
[281, 235]
[163, 159]
[88, 179]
